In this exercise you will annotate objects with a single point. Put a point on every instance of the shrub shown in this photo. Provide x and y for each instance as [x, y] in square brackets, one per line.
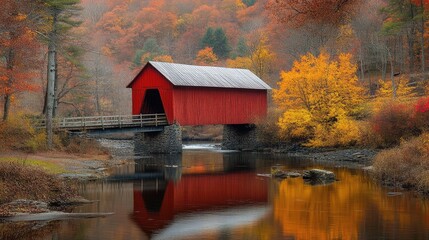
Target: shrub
[405, 166]
[421, 114]
[392, 123]
[268, 129]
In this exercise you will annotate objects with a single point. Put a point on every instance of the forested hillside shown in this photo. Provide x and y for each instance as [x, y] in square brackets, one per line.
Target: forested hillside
[101, 44]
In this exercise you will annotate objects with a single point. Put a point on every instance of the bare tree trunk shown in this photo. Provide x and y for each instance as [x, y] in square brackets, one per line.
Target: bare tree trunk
[97, 86]
[97, 97]
[422, 38]
[50, 90]
[9, 66]
[383, 65]
[6, 107]
[55, 108]
[392, 76]
[362, 70]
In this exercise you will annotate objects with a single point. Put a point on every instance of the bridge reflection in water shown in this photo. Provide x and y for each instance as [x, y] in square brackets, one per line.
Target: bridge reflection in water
[174, 188]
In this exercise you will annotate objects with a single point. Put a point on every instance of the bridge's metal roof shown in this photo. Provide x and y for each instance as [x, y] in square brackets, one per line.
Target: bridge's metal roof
[206, 76]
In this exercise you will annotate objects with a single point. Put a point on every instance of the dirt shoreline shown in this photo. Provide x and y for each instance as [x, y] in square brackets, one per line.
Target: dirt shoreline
[79, 167]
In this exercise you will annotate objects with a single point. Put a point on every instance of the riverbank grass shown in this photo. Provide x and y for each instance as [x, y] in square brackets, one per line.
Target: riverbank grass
[406, 166]
[49, 167]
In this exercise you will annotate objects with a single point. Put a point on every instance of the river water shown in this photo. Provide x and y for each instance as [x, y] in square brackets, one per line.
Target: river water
[205, 193]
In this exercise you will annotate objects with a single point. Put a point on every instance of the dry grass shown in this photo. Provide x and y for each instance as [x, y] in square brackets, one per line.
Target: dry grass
[405, 166]
[49, 167]
[27, 230]
[19, 181]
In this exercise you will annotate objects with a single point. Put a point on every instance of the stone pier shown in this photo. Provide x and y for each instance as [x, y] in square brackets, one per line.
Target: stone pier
[243, 137]
[167, 141]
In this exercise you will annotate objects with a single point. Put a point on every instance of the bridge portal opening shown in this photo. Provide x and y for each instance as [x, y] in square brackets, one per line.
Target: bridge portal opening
[152, 102]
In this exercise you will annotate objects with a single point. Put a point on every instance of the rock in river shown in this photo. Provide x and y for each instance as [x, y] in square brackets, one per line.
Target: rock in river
[319, 175]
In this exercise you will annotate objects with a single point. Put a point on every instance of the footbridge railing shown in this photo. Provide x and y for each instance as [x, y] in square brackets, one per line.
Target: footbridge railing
[106, 122]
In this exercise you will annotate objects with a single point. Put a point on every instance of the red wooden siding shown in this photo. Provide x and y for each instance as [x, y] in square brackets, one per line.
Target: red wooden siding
[199, 105]
[150, 78]
[205, 106]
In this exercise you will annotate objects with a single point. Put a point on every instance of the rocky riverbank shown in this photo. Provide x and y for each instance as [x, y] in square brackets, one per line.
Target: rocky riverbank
[361, 156]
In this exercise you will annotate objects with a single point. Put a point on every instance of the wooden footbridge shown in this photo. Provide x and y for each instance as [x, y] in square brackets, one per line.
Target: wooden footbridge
[109, 124]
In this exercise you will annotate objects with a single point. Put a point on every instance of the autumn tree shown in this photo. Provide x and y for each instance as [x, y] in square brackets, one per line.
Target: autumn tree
[402, 91]
[299, 13]
[206, 56]
[164, 58]
[18, 49]
[261, 57]
[319, 97]
[239, 62]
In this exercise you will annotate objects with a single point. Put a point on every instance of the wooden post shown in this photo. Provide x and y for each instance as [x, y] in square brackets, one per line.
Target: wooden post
[141, 120]
[156, 120]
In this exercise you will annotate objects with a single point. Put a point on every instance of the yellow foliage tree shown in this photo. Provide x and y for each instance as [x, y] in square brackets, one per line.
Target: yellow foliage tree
[206, 56]
[322, 95]
[403, 91]
[262, 57]
[385, 94]
[239, 62]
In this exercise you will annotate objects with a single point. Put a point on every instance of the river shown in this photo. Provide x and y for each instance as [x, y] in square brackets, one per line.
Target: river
[205, 193]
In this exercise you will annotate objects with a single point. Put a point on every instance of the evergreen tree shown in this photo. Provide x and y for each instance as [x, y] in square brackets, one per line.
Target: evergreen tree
[242, 48]
[249, 2]
[150, 50]
[208, 39]
[220, 46]
[217, 40]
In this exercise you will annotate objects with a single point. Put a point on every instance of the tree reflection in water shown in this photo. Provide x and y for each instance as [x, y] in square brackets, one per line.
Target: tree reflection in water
[353, 208]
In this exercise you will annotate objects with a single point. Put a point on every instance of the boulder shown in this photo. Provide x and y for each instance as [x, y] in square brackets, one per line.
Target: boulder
[293, 174]
[318, 175]
[280, 174]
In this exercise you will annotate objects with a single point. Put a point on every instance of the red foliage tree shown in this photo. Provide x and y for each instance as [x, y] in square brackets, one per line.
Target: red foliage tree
[18, 47]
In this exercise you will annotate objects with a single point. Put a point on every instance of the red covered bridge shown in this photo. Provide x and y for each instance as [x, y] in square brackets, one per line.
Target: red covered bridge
[199, 95]
[167, 95]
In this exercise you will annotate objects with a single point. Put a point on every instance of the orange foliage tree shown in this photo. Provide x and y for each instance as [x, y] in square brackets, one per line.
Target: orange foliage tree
[206, 56]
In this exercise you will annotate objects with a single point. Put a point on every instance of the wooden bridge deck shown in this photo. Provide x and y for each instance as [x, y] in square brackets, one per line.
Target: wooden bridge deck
[81, 124]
